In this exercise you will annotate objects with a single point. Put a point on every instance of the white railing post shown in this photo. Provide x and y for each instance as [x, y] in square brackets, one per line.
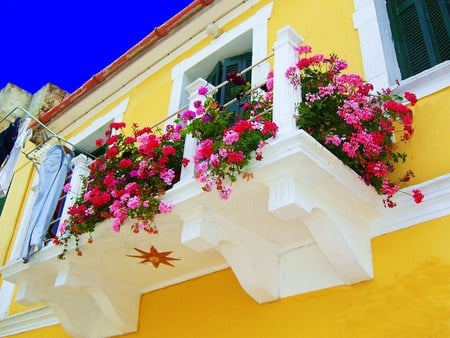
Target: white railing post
[190, 143]
[80, 169]
[285, 96]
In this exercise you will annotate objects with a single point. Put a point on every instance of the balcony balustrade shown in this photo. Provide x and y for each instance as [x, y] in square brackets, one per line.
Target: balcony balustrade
[301, 224]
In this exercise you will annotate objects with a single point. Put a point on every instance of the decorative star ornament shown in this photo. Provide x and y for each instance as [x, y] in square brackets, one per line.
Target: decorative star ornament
[154, 257]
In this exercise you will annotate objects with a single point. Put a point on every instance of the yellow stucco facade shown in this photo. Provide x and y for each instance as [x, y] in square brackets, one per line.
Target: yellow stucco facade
[409, 295]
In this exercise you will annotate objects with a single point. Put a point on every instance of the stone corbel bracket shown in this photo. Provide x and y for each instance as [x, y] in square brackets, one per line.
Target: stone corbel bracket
[111, 306]
[309, 186]
[253, 259]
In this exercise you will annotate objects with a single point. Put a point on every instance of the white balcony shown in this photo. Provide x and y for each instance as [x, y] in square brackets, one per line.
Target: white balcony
[301, 224]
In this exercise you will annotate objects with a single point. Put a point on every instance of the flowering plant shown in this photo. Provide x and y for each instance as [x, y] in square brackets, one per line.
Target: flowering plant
[341, 112]
[228, 142]
[128, 181]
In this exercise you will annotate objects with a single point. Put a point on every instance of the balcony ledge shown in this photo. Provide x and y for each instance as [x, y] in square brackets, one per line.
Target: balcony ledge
[302, 224]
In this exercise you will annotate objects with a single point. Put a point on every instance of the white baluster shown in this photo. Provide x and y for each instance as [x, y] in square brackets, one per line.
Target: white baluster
[285, 96]
[80, 170]
[190, 144]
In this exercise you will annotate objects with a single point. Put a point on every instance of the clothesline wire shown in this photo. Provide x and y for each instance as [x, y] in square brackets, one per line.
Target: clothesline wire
[51, 132]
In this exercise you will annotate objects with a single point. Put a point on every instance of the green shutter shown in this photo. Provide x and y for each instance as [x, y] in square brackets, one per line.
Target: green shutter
[219, 74]
[215, 78]
[439, 21]
[234, 64]
[2, 203]
[420, 29]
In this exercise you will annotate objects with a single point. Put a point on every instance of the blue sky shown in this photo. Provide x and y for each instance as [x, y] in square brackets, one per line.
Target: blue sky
[66, 42]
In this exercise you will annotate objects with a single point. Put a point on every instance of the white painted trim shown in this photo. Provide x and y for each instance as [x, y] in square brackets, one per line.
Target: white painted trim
[7, 289]
[116, 115]
[252, 23]
[427, 82]
[407, 213]
[379, 58]
[29, 320]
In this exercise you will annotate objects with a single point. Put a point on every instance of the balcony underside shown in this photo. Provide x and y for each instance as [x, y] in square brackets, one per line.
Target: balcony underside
[301, 224]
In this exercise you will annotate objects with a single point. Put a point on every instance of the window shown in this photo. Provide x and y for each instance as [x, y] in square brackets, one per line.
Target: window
[239, 47]
[61, 208]
[420, 30]
[233, 64]
[406, 41]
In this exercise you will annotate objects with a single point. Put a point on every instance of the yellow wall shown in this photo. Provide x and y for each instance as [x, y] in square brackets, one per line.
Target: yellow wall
[410, 295]
[428, 153]
[13, 207]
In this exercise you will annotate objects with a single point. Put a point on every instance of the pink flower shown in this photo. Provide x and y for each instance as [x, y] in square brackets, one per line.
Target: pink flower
[214, 161]
[335, 139]
[67, 187]
[225, 192]
[230, 137]
[165, 207]
[134, 202]
[303, 49]
[62, 228]
[269, 83]
[167, 176]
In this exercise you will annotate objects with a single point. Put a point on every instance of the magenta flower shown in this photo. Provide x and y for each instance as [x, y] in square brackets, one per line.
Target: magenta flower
[203, 91]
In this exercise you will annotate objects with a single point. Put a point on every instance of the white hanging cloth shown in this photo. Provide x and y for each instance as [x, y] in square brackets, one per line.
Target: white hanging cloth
[7, 171]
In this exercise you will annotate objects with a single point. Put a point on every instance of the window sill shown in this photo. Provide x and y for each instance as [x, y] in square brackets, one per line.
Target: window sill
[427, 82]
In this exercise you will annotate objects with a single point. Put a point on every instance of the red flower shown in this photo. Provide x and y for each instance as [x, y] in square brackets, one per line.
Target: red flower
[235, 157]
[112, 152]
[99, 142]
[184, 162]
[396, 107]
[417, 195]
[117, 125]
[168, 150]
[242, 126]
[129, 140]
[411, 98]
[125, 163]
[111, 140]
[303, 63]
[270, 128]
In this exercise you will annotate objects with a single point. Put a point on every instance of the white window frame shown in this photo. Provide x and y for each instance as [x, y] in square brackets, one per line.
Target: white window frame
[7, 288]
[256, 26]
[379, 58]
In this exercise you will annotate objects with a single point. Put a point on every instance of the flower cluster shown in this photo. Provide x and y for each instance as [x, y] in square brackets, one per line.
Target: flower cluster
[228, 142]
[340, 111]
[128, 181]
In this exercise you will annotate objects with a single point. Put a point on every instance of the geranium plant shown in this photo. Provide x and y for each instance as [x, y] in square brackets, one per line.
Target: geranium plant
[227, 142]
[360, 127]
[128, 181]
